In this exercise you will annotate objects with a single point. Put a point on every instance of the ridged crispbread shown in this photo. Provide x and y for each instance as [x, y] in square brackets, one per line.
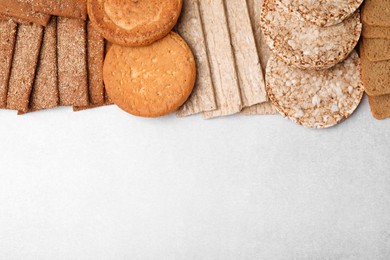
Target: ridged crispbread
[323, 12]
[315, 99]
[304, 45]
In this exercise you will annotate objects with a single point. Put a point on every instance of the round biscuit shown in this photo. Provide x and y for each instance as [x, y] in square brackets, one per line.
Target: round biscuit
[323, 12]
[312, 98]
[134, 23]
[304, 45]
[150, 81]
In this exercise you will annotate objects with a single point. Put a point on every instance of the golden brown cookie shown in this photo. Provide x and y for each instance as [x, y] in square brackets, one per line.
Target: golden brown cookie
[134, 23]
[150, 81]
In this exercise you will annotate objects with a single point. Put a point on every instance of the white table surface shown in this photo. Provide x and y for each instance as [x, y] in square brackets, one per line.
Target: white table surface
[102, 184]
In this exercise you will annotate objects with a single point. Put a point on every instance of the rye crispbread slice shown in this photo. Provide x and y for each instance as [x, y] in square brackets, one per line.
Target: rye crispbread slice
[376, 12]
[376, 32]
[22, 9]
[380, 106]
[376, 49]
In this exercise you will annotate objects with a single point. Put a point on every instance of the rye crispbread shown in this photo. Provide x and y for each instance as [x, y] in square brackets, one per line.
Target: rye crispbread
[376, 49]
[376, 12]
[315, 99]
[380, 106]
[22, 9]
[376, 32]
[65, 8]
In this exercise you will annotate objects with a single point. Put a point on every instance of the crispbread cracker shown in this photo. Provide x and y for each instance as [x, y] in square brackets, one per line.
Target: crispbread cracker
[72, 62]
[315, 99]
[380, 106]
[376, 76]
[376, 32]
[265, 108]
[150, 81]
[7, 44]
[306, 46]
[24, 63]
[134, 23]
[22, 9]
[376, 49]
[323, 12]
[222, 64]
[44, 93]
[250, 75]
[65, 8]
[95, 66]
[376, 12]
[190, 28]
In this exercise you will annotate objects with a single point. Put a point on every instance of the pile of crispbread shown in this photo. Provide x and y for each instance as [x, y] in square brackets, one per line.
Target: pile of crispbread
[313, 76]
[50, 56]
[375, 55]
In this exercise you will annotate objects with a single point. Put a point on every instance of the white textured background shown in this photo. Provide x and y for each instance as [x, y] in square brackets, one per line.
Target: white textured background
[104, 185]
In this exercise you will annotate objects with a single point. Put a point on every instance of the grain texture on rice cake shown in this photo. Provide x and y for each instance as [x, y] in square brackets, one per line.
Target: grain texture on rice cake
[380, 106]
[190, 28]
[376, 49]
[22, 9]
[376, 32]
[304, 45]
[222, 63]
[376, 12]
[315, 99]
[323, 12]
[134, 23]
[150, 81]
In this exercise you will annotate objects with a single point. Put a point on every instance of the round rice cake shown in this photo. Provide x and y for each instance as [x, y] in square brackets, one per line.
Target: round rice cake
[134, 23]
[150, 81]
[312, 98]
[323, 12]
[304, 45]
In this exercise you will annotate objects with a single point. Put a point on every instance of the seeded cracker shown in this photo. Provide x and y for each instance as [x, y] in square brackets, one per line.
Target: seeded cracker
[72, 62]
[24, 63]
[315, 99]
[306, 46]
[7, 44]
[190, 28]
[323, 12]
[45, 89]
[248, 66]
[223, 70]
[22, 9]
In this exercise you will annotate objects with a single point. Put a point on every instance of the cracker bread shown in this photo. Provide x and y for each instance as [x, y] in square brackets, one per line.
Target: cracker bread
[304, 45]
[24, 64]
[134, 23]
[376, 76]
[323, 12]
[150, 81]
[66, 8]
[376, 12]
[265, 108]
[72, 62]
[315, 99]
[380, 106]
[222, 63]
[190, 28]
[7, 44]
[95, 66]
[376, 32]
[22, 9]
[250, 75]
[376, 49]
[44, 93]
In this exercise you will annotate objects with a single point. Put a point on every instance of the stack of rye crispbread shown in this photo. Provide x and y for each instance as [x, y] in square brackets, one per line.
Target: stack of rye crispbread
[375, 55]
[50, 56]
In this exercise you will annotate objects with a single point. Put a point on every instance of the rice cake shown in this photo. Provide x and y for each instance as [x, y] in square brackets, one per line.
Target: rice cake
[380, 106]
[150, 81]
[66, 8]
[222, 64]
[190, 28]
[315, 99]
[72, 62]
[376, 49]
[376, 76]
[7, 44]
[134, 23]
[24, 64]
[304, 45]
[376, 32]
[323, 12]
[376, 12]
[22, 9]
[44, 93]
[250, 75]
